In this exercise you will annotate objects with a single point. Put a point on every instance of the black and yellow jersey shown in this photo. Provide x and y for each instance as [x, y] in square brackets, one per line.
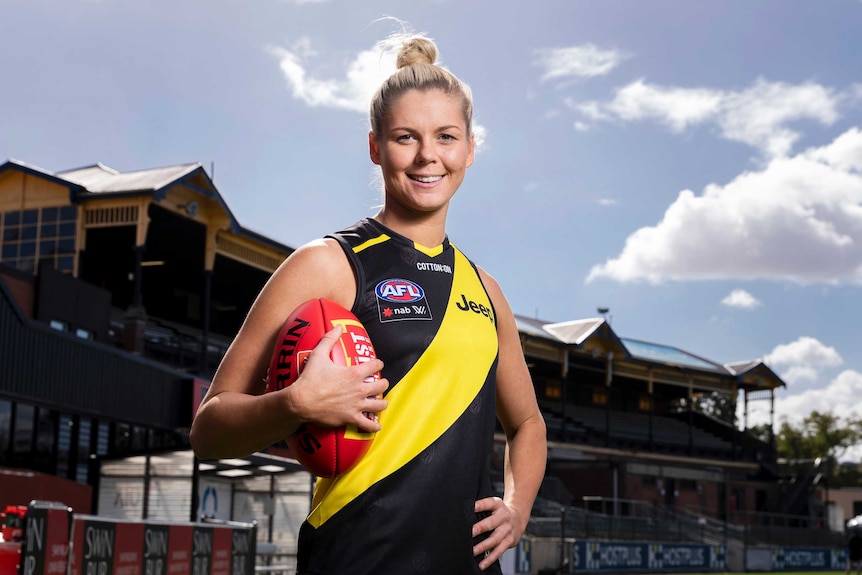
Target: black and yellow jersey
[407, 507]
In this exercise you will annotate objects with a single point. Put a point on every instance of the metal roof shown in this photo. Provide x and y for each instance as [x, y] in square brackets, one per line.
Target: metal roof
[584, 333]
[574, 332]
[658, 353]
[100, 178]
[533, 327]
[40, 172]
[754, 374]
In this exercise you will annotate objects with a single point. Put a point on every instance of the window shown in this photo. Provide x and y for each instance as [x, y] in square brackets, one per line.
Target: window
[5, 428]
[687, 485]
[65, 433]
[600, 396]
[553, 390]
[45, 432]
[104, 432]
[122, 438]
[39, 236]
[82, 467]
[23, 431]
[644, 403]
[138, 438]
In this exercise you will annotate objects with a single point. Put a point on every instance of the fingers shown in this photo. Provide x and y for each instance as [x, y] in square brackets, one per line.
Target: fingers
[327, 342]
[369, 419]
[333, 394]
[498, 525]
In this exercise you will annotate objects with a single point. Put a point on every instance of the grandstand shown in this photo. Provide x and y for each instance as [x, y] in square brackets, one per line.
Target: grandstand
[643, 443]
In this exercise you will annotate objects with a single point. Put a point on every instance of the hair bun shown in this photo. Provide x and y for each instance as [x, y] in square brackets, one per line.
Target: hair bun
[416, 50]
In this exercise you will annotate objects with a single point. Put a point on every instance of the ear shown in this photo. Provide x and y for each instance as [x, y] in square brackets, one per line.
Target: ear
[373, 148]
[471, 155]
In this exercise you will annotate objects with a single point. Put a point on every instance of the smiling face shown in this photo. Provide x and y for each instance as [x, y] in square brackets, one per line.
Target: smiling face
[423, 149]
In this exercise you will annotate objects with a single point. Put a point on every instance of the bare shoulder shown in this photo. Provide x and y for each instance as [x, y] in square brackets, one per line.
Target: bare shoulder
[317, 269]
[495, 292]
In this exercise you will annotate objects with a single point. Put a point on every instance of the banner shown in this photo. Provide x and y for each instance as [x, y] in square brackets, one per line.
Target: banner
[46, 539]
[808, 559]
[109, 547]
[597, 556]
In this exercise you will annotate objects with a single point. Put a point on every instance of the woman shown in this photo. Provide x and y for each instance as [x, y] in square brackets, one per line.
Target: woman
[420, 501]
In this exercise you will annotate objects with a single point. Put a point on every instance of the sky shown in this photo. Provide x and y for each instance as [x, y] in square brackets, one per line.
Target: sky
[694, 167]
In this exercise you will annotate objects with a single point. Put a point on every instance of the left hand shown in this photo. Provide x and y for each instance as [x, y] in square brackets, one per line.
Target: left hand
[502, 525]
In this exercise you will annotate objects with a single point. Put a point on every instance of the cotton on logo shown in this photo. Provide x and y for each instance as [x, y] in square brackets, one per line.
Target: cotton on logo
[399, 291]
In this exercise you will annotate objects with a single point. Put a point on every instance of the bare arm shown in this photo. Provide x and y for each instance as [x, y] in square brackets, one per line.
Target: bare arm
[526, 440]
[236, 418]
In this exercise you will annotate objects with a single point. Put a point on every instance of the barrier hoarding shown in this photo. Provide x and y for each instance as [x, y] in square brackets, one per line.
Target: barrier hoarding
[101, 546]
[599, 556]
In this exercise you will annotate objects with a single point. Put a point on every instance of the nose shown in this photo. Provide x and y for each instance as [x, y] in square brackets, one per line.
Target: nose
[425, 154]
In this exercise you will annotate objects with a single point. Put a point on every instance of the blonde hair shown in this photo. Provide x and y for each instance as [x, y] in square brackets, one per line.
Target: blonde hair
[417, 70]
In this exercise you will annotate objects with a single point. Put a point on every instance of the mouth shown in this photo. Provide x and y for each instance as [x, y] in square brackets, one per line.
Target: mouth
[425, 179]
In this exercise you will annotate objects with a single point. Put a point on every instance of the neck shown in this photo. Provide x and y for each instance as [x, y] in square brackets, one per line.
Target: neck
[425, 229]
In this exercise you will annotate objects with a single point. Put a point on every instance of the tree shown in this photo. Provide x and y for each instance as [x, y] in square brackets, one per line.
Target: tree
[715, 404]
[718, 405]
[763, 432]
[825, 436]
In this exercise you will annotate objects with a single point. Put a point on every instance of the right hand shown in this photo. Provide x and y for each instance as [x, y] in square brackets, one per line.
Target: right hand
[334, 395]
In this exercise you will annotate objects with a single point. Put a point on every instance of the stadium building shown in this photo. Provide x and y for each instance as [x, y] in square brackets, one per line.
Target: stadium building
[120, 292]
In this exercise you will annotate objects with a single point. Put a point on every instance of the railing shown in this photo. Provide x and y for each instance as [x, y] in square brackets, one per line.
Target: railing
[622, 519]
[783, 529]
[176, 345]
[37, 362]
[605, 518]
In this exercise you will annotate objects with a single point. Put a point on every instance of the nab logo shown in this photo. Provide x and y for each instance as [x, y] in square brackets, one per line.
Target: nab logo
[399, 291]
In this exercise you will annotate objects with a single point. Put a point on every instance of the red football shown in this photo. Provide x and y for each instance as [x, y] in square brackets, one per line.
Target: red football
[324, 451]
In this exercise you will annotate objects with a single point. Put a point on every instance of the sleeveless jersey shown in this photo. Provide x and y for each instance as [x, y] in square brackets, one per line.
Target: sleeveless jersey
[407, 507]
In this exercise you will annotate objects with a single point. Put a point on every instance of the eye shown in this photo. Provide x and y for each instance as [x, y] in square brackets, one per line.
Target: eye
[447, 137]
[404, 138]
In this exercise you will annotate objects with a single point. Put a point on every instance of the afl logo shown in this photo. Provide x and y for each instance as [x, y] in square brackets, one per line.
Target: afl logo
[399, 291]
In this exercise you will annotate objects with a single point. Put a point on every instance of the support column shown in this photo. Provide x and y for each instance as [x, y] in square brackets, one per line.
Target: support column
[135, 318]
[206, 300]
[196, 478]
[564, 375]
[203, 363]
[609, 378]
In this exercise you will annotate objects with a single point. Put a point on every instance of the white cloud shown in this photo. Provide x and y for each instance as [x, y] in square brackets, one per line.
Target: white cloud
[678, 108]
[363, 76]
[805, 351]
[841, 397]
[797, 219]
[740, 298]
[585, 61]
[799, 374]
[758, 116]
[608, 202]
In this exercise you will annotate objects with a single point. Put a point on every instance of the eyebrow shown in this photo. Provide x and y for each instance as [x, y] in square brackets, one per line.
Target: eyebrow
[440, 129]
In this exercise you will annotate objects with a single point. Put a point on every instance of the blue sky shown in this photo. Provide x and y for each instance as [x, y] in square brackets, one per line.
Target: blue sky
[696, 167]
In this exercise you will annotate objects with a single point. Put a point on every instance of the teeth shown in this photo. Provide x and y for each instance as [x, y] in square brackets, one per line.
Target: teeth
[427, 179]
